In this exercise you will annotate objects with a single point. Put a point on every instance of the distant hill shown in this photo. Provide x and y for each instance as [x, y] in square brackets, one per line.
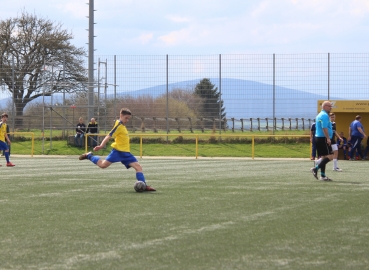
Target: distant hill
[250, 99]
[242, 98]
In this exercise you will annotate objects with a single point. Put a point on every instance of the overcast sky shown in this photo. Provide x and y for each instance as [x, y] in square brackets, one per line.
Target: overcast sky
[193, 27]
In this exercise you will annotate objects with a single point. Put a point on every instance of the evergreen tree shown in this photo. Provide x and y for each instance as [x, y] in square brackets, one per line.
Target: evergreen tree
[212, 107]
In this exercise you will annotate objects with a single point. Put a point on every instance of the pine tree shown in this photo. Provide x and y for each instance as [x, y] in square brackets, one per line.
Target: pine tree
[212, 103]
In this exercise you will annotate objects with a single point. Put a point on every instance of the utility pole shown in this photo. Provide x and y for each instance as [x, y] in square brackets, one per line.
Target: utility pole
[91, 51]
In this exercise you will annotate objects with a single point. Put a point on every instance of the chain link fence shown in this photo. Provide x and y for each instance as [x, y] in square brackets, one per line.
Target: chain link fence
[250, 92]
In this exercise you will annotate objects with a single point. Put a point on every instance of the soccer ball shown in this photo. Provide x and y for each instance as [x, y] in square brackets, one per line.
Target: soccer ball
[140, 186]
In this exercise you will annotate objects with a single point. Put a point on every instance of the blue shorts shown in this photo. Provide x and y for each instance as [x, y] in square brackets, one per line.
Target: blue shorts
[3, 146]
[125, 157]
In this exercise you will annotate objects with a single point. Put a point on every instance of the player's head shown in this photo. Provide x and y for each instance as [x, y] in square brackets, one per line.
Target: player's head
[125, 111]
[93, 120]
[342, 134]
[327, 106]
[125, 115]
[4, 116]
[332, 116]
[358, 118]
[81, 120]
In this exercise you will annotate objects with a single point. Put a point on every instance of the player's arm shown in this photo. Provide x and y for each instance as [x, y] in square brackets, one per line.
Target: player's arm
[361, 131]
[326, 134]
[338, 136]
[103, 143]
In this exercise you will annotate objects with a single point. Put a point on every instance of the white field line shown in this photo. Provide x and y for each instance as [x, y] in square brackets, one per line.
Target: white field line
[188, 232]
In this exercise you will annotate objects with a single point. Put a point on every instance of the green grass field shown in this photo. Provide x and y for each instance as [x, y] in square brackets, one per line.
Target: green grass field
[285, 150]
[62, 213]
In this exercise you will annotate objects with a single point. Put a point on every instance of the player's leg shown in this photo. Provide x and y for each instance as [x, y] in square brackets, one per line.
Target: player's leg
[96, 160]
[313, 150]
[140, 175]
[335, 158]
[4, 146]
[325, 151]
[322, 167]
[354, 147]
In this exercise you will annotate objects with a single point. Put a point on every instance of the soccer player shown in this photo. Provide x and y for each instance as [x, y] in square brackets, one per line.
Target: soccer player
[3, 138]
[121, 148]
[323, 135]
[332, 117]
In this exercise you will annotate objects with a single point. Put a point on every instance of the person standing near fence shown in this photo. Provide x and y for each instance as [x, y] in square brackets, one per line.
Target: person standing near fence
[356, 135]
[323, 135]
[121, 149]
[80, 133]
[92, 128]
[312, 141]
[4, 139]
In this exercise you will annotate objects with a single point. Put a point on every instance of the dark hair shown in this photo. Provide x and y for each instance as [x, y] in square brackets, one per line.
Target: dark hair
[357, 117]
[4, 115]
[125, 111]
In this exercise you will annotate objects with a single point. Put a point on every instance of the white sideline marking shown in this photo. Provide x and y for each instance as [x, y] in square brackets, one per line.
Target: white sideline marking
[87, 257]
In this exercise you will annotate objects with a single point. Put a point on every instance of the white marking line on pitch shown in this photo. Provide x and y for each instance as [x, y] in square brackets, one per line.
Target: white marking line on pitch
[222, 225]
[179, 235]
[219, 226]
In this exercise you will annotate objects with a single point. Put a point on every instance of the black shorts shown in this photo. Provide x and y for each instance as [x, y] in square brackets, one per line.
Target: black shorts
[322, 147]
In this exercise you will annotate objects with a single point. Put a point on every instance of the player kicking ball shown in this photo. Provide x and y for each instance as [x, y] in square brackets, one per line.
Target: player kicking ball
[121, 149]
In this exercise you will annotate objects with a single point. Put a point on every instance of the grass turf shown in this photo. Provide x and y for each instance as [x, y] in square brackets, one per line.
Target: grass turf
[61, 213]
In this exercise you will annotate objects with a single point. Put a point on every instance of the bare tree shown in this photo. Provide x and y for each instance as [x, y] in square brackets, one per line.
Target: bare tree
[37, 58]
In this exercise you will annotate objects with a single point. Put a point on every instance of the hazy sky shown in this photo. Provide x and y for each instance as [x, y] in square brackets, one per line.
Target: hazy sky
[189, 27]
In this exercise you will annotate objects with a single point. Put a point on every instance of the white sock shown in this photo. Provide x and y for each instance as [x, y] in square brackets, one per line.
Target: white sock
[335, 164]
[318, 161]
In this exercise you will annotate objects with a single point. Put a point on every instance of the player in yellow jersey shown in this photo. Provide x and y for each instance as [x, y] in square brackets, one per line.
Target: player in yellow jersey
[4, 136]
[121, 148]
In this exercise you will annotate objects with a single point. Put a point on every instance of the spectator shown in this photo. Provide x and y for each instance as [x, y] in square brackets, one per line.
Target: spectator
[92, 128]
[313, 143]
[80, 133]
[356, 135]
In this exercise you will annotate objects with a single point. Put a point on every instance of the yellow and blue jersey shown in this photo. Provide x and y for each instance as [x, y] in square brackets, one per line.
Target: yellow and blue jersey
[121, 137]
[2, 131]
